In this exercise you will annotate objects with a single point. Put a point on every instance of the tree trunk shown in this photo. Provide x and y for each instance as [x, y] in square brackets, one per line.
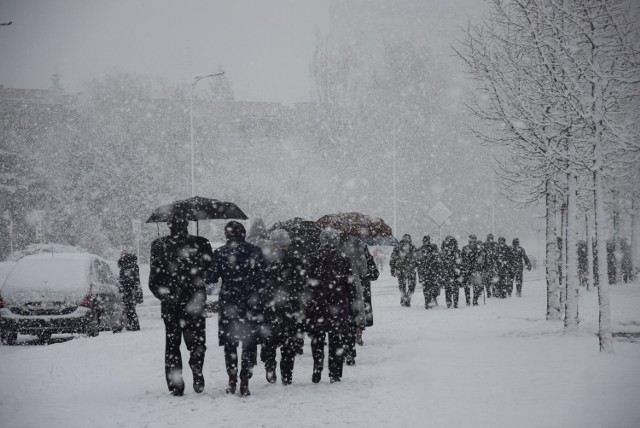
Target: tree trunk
[604, 302]
[562, 262]
[617, 248]
[571, 303]
[590, 233]
[634, 234]
[553, 288]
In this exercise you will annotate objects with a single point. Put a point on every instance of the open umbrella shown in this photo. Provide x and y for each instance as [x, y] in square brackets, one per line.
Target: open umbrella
[304, 234]
[369, 229]
[197, 208]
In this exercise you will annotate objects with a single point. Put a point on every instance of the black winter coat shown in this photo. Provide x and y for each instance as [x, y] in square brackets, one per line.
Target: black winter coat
[372, 275]
[451, 264]
[519, 259]
[503, 259]
[490, 249]
[472, 260]
[402, 261]
[332, 292]
[242, 267]
[284, 295]
[179, 264]
[427, 260]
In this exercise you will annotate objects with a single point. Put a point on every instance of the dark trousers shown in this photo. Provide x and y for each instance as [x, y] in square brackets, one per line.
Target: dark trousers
[451, 294]
[179, 324]
[288, 349]
[406, 284]
[502, 286]
[336, 352]
[518, 279]
[474, 281]
[489, 280]
[349, 342]
[427, 292]
[248, 358]
[131, 316]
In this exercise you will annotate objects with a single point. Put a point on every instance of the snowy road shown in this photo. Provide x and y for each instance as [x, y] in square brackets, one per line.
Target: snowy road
[496, 365]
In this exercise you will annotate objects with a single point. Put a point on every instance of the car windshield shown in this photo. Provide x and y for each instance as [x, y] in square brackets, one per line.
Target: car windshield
[54, 274]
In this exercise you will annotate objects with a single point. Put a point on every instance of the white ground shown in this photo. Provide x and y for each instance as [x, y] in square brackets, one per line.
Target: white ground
[496, 365]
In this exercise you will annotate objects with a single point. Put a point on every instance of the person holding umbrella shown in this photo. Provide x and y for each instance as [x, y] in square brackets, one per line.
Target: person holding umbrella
[241, 266]
[331, 304]
[177, 278]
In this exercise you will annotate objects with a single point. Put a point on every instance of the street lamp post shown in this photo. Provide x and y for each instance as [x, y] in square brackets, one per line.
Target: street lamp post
[193, 159]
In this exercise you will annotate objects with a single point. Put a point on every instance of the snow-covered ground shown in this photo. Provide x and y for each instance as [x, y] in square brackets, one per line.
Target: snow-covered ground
[496, 365]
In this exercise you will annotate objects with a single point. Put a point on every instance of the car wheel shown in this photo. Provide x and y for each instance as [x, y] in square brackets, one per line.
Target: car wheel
[93, 328]
[44, 336]
[9, 337]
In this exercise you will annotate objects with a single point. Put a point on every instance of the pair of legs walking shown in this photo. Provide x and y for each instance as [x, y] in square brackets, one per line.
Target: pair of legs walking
[288, 351]
[192, 328]
[336, 355]
[407, 285]
[248, 360]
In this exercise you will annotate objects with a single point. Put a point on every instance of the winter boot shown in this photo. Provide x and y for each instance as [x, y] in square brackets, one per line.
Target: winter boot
[198, 382]
[233, 382]
[244, 387]
[271, 375]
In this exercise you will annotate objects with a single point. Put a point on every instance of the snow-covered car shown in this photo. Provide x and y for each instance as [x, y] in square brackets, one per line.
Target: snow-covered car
[45, 294]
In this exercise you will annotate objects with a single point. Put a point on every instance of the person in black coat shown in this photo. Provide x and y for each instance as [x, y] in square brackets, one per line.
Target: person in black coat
[241, 266]
[372, 275]
[503, 266]
[403, 267]
[472, 267]
[427, 264]
[179, 263]
[519, 260]
[331, 306]
[450, 270]
[284, 305]
[490, 272]
[130, 288]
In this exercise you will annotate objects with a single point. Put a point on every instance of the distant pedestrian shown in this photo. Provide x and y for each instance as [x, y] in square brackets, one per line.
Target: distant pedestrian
[331, 305]
[503, 263]
[428, 269]
[130, 288]
[451, 270]
[403, 267]
[241, 319]
[179, 263]
[490, 275]
[519, 260]
[472, 266]
[284, 306]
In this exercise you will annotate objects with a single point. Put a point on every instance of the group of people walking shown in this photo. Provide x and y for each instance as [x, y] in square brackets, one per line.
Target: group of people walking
[271, 296]
[491, 267]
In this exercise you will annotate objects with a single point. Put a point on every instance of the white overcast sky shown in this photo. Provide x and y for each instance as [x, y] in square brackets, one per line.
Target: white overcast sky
[265, 47]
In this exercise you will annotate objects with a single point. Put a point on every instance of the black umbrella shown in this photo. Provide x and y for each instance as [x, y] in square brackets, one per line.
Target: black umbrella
[197, 208]
[304, 234]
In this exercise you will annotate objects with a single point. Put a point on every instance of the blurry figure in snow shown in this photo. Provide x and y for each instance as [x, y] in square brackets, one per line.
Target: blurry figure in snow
[130, 288]
[241, 266]
[378, 257]
[427, 265]
[503, 261]
[284, 306]
[258, 234]
[519, 260]
[402, 264]
[372, 274]
[353, 250]
[179, 263]
[490, 273]
[472, 268]
[331, 306]
[450, 270]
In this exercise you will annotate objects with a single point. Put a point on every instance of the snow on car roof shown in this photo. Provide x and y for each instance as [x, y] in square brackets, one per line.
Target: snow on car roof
[58, 271]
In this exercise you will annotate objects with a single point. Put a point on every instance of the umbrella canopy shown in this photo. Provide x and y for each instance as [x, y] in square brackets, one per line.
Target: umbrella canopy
[197, 208]
[304, 234]
[357, 225]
